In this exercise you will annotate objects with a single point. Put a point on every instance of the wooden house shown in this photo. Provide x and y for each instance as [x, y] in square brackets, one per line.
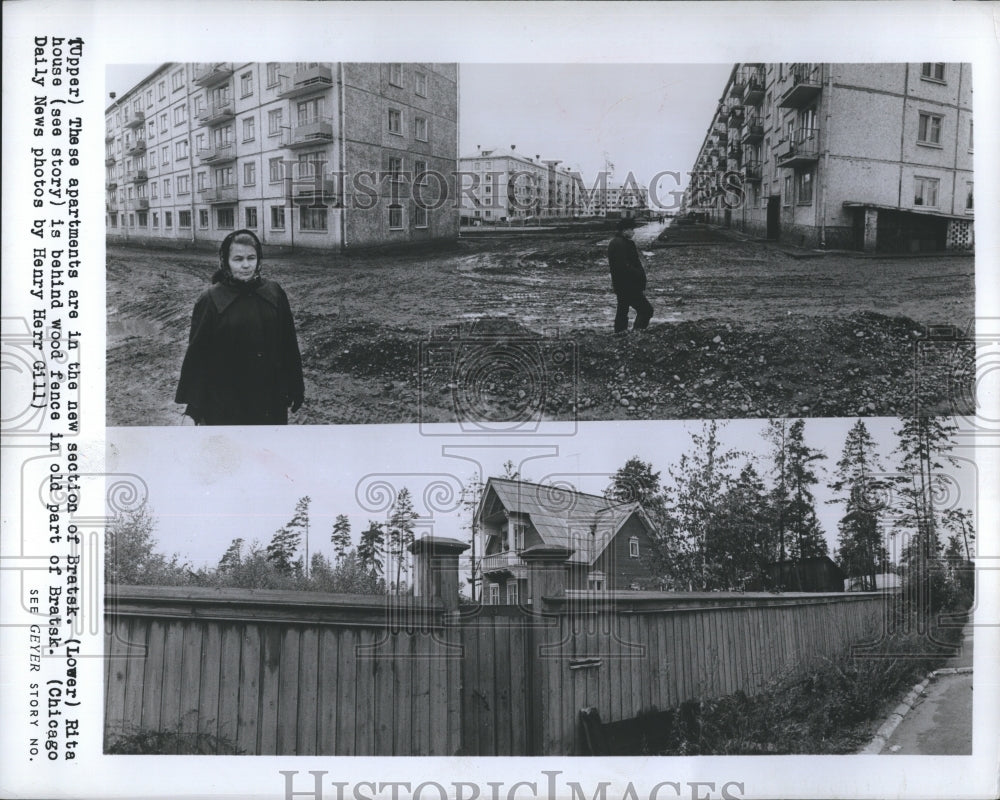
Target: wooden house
[609, 545]
[814, 574]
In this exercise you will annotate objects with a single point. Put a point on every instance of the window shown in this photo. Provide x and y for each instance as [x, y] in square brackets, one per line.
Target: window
[970, 135]
[277, 218]
[595, 583]
[274, 121]
[162, 87]
[494, 594]
[312, 218]
[224, 218]
[223, 177]
[250, 173]
[420, 172]
[929, 130]
[177, 80]
[395, 121]
[202, 179]
[246, 84]
[180, 114]
[932, 72]
[166, 187]
[156, 220]
[183, 184]
[275, 170]
[181, 149]
[396, 74]
[512, 593]
[273, 78]
[249, 129]
[163, 123]
[165, 155]
[925, 192]
[153, 190]
[168, 219]
[395, 169]
[786, 198]
[251, 217]
[395, 216]
[420, 221]
[633, 547]
[420, 129]
[420, 84]
[202, 217]
[804, 188]
[968, 197]
[143, 219]
[183, 219]
[150, 129]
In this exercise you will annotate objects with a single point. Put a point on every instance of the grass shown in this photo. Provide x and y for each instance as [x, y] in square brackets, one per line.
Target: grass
[137, 742]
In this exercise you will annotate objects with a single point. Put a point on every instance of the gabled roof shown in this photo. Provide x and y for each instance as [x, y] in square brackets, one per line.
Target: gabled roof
[584, 523]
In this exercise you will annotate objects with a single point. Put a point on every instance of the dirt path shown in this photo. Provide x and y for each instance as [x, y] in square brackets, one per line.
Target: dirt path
[740, 330]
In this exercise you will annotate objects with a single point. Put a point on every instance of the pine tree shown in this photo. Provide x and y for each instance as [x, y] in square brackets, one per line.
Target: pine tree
[799, 532]
[399, 531]
[371, 549]
[282, 549]
[232, 558]
[341, 536]
[861, 550]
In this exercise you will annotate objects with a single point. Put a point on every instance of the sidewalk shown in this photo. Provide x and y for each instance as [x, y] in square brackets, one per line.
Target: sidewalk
[940, 722]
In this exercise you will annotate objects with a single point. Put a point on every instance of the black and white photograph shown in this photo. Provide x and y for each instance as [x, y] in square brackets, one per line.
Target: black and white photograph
[500, 400]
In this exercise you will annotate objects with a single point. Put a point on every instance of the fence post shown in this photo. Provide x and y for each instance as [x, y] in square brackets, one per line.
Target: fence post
[548, 574]
[436, 567]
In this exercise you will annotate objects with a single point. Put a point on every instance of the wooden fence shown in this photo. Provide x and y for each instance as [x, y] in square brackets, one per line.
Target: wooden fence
[293, 673]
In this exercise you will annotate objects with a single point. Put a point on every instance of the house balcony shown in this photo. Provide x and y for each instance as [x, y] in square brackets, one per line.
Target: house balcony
[207, 75]
[735, 119]
[753, 131]
[142, 203]
[216, 195]
[735, 154]
[216, 113]
[722, 136]
[737, 86]
[109, 136]
[137, 176]
[310, 190]
[135, 119]
[137, 148]
[111, 204]
[318, 130]
[306, 81]
[218, 154]
[753, 172]
[753, 94]
[802, 150]
[109, 161]
[111, 184]
[508, 562]
[807, 83]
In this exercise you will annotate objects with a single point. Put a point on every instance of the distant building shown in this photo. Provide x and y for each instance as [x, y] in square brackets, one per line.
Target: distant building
[629, 199]
[814, 574]
[324, 155]
[874, 157]
[506, 186]
[608, 546]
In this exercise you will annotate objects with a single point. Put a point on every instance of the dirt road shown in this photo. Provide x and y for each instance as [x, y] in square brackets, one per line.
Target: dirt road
[519, 327]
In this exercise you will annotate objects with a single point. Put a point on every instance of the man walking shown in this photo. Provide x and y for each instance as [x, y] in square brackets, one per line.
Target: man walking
[628, 278]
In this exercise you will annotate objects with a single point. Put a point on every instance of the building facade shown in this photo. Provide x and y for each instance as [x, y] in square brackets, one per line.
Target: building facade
[505, 186]
[874, 157]
[603, 546]
[322, 155]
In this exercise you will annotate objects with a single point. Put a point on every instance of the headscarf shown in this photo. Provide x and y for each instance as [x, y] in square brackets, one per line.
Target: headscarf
[224, 274]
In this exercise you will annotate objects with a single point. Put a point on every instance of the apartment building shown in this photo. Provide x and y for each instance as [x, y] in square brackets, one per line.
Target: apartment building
[874, 157]
[323, 155]
[627, 199]
[505, 186]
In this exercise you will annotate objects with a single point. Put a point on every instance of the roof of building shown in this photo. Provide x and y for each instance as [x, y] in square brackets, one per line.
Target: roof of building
[584, 523]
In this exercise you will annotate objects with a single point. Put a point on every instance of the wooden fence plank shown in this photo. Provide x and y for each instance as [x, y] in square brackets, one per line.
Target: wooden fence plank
[270, 640]
[117, 675]
[209, 672]
[329, 710]
[190, 689]
[355, 731]
[136, 649]
[502, 696]
[170, 699]
[242, 650]
[402, 664]
[307, 716]
[384, 703]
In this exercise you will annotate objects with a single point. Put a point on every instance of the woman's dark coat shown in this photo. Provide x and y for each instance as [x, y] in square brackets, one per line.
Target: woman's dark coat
[242, 365]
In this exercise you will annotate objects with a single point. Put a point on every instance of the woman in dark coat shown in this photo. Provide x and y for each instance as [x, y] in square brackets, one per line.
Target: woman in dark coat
[242, 365]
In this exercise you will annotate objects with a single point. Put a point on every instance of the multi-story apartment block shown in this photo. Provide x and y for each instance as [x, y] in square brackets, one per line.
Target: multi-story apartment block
[626, 199]
[499, 186]
[859, 156]
[326, 155]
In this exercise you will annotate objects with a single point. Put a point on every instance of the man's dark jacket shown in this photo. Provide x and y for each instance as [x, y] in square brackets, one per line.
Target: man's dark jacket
[627, 275]
[242, 365]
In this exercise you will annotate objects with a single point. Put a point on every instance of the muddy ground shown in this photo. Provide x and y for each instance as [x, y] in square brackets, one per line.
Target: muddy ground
[518, 326]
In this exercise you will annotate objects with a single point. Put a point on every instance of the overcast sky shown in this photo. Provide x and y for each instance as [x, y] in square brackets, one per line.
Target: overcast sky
[208, 486]
[644, 118]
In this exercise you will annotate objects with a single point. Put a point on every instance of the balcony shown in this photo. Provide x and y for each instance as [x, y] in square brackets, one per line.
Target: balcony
[753, 172]
[735, 154]
[306, 81]
[137, 148]
[111, 204]
[218, 194]
[111, 184]
[109, 161]
[142, 203]
[722, 136]
[807, 82]
[508, 561]
[736, 117]
[217, 112]
[109, 136]
[136, 176]
[217, 154]
[310, 190]
[753, 131]
[135, 119]
[802, 150]
[736, 87]
[212, 74]
[318, 130]
[753, 95]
